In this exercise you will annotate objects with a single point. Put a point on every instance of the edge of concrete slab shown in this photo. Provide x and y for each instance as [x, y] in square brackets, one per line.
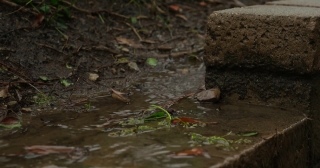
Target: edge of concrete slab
[302, 3]
[288, 148]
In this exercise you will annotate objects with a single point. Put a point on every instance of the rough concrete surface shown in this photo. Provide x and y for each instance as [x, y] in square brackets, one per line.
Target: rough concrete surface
[288, 149]
[269, 54]
[275, 38]
[305, 3]
[259, 87]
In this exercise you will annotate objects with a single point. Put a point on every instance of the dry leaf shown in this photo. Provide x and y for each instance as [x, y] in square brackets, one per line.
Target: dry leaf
[175, 8]
[4, 92]
[148, 41]
[129, 42]
[182, 17]
[202, 3]
[38, 20]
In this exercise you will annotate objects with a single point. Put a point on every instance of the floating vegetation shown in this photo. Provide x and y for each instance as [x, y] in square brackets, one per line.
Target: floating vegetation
[218, 141]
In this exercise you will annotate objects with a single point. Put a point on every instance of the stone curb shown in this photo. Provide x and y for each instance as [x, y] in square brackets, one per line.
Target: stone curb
[305, 3]
[274, 38]
[269, 54]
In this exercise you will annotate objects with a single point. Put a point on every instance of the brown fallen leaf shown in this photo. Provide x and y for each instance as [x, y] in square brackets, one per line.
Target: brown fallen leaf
[182, 17]
[9, 121]
[129, 42]
[45, 150]
[120, 96]
[191, 152]
[4, 92]
[185, 120]
[175, 8]
[38, 20]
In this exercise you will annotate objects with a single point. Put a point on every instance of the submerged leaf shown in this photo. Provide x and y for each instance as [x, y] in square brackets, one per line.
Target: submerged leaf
[156, 116]
[191, 152]
[10, 122]
[186, 120]
[45, 150]
[247, 134]
[152, 61]
[120, 96]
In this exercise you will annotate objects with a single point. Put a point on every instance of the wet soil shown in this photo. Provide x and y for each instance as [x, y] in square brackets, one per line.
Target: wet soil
[92, 132]
[99, 38]
[102, 38]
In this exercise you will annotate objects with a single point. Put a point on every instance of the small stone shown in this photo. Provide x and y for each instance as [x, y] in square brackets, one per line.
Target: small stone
[11, 103]
[93, 76]
[26, 110]
[209, 95]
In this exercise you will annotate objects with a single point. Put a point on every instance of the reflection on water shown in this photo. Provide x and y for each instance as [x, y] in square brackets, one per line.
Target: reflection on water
[150, 149]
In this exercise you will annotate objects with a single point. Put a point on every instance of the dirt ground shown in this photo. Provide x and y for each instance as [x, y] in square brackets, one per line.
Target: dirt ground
[59, 48]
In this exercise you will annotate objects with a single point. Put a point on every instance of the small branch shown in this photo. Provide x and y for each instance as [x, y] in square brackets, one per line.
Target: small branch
[179, 54]
[38, 83]
[94, 12]
[44, 45]
[7, 49]
[114, 14]
[17, 6]
[134, 30]
[101, 48]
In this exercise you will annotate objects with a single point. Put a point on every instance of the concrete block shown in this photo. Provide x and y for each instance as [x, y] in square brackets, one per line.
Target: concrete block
[273, 38]
[305, 3]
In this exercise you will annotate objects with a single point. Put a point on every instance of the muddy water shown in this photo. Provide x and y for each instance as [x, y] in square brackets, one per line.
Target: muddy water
[150, 149]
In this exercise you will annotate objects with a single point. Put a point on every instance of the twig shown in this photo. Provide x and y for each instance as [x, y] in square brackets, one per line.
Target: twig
[101, 48]
[44, 45]
[94, 12]
[134, 30]
[14, 70]
[114, 14]
[39, 83]
[75, 7]
[7, 49]
[178, 54]
[18, 6]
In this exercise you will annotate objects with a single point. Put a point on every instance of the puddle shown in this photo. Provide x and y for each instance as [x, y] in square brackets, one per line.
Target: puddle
[149, 149]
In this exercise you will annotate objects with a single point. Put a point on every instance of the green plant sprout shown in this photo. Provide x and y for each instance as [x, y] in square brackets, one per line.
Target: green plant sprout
[88, 106]
[164, 110]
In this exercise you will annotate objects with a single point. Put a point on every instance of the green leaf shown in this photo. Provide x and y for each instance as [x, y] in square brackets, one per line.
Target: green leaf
[247, 134]
[133, 20]
[45, 8]
[11, 126]
[62, 25]
[10, 122]
[68, 66]
[122, 61]
[65, 82]
[152, 61]
[156, 116]
[44, 78]
[54, 2]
